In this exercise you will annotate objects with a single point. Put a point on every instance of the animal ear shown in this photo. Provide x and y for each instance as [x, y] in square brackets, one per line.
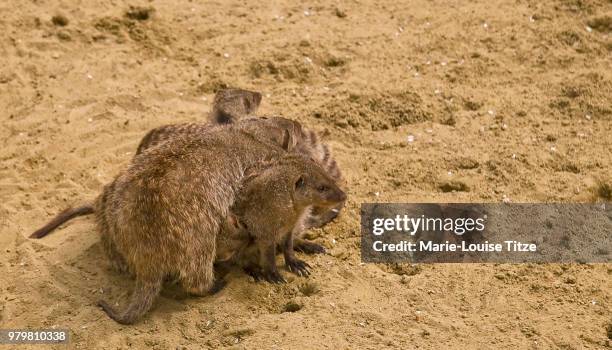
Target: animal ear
[300, 182]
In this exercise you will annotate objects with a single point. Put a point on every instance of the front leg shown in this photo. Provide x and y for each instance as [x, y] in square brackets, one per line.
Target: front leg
[267, 258]
[294, 264]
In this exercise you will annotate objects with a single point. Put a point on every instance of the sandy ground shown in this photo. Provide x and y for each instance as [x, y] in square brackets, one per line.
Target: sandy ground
[503, 100]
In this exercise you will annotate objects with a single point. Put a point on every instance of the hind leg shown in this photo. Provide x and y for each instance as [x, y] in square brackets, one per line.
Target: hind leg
[198, 278]
[117, 260]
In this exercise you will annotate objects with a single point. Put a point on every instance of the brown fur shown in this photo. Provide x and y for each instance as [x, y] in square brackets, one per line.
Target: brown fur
[231, 105]
[303, 141]
[161, 216]
[273, 204]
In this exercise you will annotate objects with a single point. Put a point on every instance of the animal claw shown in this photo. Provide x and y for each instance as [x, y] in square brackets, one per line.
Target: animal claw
[299, 267]
[309, 248]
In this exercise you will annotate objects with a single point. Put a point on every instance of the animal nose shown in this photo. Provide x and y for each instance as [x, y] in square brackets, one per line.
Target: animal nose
[341, 196]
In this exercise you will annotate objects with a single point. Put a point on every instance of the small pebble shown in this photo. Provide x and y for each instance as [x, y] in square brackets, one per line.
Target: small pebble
[410, 138]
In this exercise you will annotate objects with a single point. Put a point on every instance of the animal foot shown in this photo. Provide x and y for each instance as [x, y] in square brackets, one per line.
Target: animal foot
[217, 286]
[309, 248]
[298, 267]
[258, 274]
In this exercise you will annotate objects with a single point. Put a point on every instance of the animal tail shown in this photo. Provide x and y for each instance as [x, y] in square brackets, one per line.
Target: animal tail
[141, 301]
[61, 218]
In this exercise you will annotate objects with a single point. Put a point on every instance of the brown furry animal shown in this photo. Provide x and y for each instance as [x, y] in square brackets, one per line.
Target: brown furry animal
[273, 205]
[296, 139]
[231, 105]
[163, 213]
[160, 217]
[242, 103]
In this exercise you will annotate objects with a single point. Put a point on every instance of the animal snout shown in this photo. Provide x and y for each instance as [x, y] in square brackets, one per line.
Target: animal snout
[338, 196]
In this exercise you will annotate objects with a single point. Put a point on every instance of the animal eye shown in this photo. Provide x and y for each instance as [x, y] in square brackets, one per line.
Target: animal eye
[299, 182]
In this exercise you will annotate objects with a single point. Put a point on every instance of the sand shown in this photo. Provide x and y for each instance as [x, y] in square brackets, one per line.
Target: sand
[427, 101]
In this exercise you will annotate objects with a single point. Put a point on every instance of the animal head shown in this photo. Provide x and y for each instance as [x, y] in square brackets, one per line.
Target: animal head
[312, 186]
[231, 105]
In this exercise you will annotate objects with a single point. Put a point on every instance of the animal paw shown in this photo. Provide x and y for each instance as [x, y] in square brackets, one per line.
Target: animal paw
[258, 274]
[217, 286]
[298, 267]
[309, 248]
